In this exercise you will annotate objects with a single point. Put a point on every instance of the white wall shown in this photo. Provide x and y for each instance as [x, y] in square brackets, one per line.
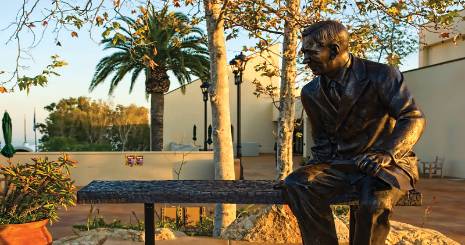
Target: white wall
[441, 52]
[111, 165]
[435, 49]
[429, 37]
[439, 91]
[182, 111]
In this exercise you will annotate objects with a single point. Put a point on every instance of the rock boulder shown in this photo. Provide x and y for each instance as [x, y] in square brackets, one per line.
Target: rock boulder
[405, 234]
[272, 224]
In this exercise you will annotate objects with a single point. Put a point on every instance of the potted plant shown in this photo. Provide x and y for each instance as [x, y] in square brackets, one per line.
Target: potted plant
[33, 192]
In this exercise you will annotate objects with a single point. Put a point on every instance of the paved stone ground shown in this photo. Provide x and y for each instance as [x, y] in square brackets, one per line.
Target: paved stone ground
[441, 210]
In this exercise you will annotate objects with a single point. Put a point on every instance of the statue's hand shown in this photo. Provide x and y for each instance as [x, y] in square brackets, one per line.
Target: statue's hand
[371, 163]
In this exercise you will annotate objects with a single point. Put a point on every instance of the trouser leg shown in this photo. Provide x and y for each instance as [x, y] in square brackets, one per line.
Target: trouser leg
[372, 219]
[308, 191]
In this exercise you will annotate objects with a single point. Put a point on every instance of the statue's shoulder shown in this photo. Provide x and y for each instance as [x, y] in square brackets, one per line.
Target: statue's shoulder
[379, 72]
[311, 88]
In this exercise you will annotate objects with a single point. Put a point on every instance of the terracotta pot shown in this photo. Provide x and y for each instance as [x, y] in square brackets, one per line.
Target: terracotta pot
[34, 233]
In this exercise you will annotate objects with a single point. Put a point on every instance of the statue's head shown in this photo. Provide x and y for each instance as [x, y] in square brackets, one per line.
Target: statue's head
[325, 47]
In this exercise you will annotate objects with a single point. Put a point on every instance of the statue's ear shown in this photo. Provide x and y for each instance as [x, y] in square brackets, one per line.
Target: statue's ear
[334, 50]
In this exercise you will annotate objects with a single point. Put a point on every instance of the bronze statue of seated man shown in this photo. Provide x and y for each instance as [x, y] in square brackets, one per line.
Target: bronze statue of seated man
[361, 113]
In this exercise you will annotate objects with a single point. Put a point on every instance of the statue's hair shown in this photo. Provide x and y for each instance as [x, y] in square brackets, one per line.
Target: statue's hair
[328, 31]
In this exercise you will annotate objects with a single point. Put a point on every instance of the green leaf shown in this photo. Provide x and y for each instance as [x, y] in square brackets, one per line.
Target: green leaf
[106, 33]
[118, 37]
[116, 25]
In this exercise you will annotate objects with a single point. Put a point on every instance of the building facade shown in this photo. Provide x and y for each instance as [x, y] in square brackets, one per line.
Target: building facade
[435, 48]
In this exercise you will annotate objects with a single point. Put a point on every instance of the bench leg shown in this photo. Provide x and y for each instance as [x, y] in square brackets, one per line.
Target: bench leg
[149, 223]
[353, 210]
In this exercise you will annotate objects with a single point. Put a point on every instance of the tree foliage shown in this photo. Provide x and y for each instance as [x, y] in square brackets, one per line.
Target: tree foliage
[154, 41]
[386, 31]
[81, 124]
[371, 23]
[129, 130]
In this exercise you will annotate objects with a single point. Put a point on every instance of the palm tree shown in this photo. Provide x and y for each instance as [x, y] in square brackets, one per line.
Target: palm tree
[154, 43]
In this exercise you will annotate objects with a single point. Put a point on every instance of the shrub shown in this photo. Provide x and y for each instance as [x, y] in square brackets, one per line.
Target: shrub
[34, 191]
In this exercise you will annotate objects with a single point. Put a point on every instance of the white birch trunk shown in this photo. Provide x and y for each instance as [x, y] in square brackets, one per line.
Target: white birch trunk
[287, 93]
[225, 214]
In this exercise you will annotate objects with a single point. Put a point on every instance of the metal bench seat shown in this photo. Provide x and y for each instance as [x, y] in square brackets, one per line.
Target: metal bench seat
[198, 191]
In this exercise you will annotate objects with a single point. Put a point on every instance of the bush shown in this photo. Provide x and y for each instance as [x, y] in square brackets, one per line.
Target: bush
[34, 191]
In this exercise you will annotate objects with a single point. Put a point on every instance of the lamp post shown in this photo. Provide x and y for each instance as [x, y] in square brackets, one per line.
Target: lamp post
[238, 67]
[204, 87]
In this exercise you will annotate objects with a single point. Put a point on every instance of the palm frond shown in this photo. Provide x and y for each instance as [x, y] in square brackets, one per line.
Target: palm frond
[184, 53]
[121, 71]
[135, 75]
[106, 66]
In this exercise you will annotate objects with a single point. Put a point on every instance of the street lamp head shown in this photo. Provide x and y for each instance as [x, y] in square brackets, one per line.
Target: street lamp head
[238, 63]
[204, 87]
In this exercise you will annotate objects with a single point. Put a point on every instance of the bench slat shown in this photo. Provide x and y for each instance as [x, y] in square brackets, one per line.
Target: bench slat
[199, 191]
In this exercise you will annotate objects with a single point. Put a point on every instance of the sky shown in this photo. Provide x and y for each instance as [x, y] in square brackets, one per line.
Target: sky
[82, 55]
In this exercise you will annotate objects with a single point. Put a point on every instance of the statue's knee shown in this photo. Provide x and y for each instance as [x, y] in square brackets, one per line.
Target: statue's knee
[303, 175]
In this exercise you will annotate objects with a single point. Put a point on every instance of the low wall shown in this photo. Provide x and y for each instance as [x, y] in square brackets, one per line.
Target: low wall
[112, 165]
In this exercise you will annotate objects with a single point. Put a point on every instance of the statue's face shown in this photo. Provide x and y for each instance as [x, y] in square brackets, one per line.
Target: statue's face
[317, 56]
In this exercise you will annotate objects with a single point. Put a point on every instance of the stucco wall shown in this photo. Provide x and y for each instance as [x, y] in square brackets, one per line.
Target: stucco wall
[441, 52]
[435, 49]
[429, 37]
[111, 165]
[439, 91]
[182, 111]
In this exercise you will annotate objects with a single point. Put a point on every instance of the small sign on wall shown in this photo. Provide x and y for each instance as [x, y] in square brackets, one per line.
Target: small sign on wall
[133, 160]
[139, 160]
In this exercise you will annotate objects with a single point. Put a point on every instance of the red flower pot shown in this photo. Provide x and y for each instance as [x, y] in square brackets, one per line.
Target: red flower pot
[33, 233]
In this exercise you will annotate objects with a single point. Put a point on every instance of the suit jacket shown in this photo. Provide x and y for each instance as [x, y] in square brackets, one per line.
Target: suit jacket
[376, 113]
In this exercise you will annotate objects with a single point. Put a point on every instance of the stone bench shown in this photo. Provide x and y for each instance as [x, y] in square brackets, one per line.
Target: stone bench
[199, 191]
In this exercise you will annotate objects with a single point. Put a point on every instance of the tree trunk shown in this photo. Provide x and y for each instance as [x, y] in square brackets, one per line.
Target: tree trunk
[157, 105]
[221, 121]
[287, 92]
[157, 84]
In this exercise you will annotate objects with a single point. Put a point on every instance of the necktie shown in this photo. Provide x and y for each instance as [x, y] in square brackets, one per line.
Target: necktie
[334, 93]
